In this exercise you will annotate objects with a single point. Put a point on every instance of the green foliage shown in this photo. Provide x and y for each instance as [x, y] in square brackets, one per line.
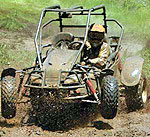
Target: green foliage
[4, 56]
[146, 56]
[11, 23]
[24, 58]
[133, 14]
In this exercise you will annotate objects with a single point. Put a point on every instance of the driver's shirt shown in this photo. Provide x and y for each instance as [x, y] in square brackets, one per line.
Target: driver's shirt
[97, 55]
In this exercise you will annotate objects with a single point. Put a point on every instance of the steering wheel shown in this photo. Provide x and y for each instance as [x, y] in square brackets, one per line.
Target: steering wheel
[75, 45]
[63, 44]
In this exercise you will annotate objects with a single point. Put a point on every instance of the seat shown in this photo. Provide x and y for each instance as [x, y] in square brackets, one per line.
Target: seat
[62, 39]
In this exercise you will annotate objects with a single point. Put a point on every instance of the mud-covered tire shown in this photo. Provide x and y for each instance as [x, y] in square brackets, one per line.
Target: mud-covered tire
[136, 96]
[8, 97]
[109, 97]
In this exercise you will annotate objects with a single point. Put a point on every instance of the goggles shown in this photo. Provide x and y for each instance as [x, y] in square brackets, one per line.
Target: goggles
[92, 35]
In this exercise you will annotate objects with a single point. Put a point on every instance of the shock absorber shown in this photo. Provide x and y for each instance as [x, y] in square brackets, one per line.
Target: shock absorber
[92, 89]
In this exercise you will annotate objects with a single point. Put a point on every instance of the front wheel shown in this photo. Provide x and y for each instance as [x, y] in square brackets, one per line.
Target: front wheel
[136, 96]
[109, 97]
[8, 97]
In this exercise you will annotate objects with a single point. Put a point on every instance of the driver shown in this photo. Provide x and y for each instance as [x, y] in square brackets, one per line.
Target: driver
[96, 50]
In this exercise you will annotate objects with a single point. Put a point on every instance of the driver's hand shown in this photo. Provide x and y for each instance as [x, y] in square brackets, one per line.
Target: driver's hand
[83, 63]
[89, 61]
[94, 61]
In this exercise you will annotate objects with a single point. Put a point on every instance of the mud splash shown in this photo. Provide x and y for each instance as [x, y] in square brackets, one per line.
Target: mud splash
[55, 115]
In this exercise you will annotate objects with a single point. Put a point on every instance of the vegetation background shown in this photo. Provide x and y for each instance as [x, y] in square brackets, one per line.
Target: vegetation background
[22, 16]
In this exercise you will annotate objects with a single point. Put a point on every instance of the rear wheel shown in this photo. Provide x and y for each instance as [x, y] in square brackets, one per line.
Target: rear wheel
[109, 97]
[136, 97]
[8, 97]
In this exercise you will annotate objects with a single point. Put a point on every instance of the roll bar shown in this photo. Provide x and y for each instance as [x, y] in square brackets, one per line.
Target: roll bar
[98, 7]
[57, 8]
[77, 7]
[54, 7]
[122, 31]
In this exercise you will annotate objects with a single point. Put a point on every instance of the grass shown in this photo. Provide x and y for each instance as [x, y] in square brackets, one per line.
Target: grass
[146, 56]
[146, 67]
[25, 59]
[11, 23]
[4, 56]
[15, 56]
[133, 14]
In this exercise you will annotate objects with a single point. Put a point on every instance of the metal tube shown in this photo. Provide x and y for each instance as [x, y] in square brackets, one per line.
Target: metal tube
[85, 38]
[35, 40]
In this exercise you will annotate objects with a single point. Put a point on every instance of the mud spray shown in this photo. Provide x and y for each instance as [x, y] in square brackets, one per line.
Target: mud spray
[55, 114]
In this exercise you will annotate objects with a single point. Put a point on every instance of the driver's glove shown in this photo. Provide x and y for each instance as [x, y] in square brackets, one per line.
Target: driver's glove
[83, 63]
[93, 61]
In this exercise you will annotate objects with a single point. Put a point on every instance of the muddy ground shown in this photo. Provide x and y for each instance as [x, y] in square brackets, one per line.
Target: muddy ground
[76, 120]
[79, 122]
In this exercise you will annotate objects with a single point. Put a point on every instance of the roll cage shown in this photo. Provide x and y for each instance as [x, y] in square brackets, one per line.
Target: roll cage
[68, 13]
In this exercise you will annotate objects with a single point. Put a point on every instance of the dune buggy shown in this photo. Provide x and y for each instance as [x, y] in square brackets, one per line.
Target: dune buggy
[59, 54]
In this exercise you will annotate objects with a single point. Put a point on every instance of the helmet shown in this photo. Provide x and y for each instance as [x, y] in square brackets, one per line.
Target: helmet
[96, 34]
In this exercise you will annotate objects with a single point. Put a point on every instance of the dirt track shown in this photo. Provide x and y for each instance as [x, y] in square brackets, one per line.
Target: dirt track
[125, 124]
[79, 121]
